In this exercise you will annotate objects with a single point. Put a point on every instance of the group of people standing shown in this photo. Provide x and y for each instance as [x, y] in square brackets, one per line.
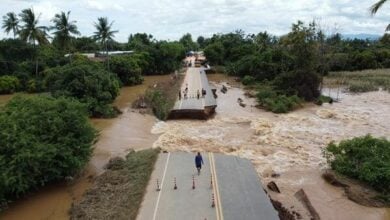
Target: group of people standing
[185, 93]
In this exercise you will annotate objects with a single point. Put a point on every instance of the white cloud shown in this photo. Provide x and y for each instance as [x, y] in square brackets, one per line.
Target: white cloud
[169, 19]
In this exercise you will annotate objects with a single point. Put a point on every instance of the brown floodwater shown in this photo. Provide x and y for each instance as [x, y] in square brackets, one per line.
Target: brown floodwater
[288, 144]
[130, 130]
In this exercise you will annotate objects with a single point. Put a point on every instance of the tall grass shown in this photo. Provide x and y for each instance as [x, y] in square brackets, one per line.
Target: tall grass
[360, 81]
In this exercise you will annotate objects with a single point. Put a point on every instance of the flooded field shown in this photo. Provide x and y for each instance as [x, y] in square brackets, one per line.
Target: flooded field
[286, 144]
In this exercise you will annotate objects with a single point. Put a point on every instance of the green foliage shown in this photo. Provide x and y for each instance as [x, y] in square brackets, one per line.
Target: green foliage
[42, 139]
[303, 83]
[215, 53]
[160, 104]
[88, 82]
[363, 158]
[82, 44]
[12, 52]
[127, 69]
[188, 43]
[8, 84]
[34, 86]
[323, 99]
[271, 100]
[248, 80]
[168, 56]
[156, 57]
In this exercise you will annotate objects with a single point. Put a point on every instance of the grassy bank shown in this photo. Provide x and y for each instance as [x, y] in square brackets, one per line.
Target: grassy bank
[360, 81]
[118, 192]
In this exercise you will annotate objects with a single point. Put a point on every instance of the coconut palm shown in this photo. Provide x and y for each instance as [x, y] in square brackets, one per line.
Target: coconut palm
[64, 29]
[10, 23]
[104, 34]
[375, 7]
[31, 32]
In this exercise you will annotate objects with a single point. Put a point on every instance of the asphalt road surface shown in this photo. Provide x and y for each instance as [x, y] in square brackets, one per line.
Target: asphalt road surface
[195, 80]
[231, 181]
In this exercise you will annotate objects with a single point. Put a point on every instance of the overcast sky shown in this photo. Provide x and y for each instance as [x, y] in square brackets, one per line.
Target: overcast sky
[170, 19]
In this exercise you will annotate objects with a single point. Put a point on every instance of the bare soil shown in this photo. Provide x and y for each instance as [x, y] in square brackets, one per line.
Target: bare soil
[355, 190]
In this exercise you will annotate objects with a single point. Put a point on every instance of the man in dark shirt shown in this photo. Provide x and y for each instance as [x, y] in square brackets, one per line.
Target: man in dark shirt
[198, 162]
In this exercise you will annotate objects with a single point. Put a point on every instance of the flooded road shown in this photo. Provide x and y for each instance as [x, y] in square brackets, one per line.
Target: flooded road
[286, 144]
[117, 136]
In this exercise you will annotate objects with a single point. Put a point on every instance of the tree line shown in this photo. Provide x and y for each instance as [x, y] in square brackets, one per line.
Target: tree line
[31, 61]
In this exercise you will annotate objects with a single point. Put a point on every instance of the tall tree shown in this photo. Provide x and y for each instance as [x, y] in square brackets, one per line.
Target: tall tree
[375, 7]
[10, 23]
[104, 33]
[64, 28]
[31, 32]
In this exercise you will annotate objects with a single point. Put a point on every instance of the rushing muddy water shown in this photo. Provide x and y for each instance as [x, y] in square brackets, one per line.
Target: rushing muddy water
[117, 136]
[287, 144]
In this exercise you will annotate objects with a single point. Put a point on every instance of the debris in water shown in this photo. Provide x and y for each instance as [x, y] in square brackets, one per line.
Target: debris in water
[273, 187]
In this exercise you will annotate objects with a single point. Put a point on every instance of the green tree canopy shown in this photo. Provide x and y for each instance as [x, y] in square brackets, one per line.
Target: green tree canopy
[63, 29]
[42, 139]
[11, 23]
[88, 82]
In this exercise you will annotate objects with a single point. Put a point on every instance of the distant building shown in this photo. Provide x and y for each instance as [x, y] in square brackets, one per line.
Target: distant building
[100, 55]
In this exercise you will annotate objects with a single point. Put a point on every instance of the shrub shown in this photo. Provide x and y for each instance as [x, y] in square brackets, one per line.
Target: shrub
[160, 104]
[363, 158]
[248, 80]
[127, 69]
[89, 83]
[277, 103]
[303, 83]
[324, 99]
[8, 84]
[34, 85]
[42, 139]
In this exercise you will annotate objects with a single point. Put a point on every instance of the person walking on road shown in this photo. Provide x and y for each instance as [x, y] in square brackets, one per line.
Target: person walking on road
[198, 162]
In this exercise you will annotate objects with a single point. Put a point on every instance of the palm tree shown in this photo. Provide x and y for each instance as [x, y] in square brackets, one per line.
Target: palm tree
[11, 23]
[63, 29]
[31, 32]
[104, 34]
[375, 7]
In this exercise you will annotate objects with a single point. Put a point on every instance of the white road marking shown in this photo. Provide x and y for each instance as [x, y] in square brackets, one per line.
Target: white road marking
[162, 185]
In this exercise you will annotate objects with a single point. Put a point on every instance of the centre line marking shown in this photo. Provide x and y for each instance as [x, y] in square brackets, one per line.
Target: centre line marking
[216, 188]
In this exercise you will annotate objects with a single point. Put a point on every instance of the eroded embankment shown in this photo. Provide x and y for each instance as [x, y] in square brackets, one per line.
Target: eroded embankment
[287, 144]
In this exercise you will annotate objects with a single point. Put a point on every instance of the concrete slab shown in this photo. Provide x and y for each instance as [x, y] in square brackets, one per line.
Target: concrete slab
[195, 80]
[237, 189]
[241, 194]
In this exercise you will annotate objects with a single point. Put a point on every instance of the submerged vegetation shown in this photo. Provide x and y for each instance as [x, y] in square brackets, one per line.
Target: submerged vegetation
[363, 158]
[118, 192]
[42, 140]
[361, 81]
